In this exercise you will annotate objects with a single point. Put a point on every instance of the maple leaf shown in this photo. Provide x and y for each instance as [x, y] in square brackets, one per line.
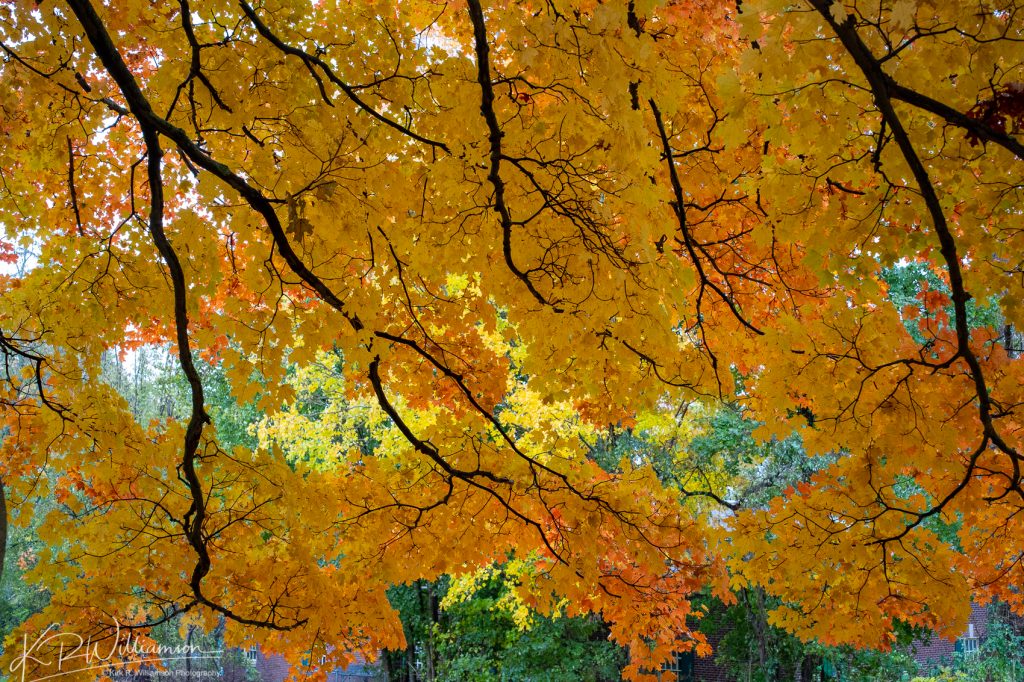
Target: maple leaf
[837, 10]
[904, 14]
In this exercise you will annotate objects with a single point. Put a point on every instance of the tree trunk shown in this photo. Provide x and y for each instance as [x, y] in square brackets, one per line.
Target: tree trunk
[3, 528]
[812, 668]
[759, 624]
[434, 606]
[188, 653]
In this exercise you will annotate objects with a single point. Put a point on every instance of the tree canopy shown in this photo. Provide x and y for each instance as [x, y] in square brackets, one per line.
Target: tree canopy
[449, 248]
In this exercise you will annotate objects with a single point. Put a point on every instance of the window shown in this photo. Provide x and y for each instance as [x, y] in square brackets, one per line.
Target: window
[251, 652]
[323, 659]
[969, 643]
[680, 668]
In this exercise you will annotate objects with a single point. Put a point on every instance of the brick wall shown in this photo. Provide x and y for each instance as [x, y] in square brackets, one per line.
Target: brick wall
[938, 648]
[273, 668]
[705, 669]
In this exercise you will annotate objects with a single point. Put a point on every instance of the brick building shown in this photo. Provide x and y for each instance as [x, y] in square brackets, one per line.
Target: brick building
[938, 648]
[274, 668]
[689, 668]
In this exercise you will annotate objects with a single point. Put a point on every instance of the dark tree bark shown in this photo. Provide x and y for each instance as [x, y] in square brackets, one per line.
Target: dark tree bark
[3, 528]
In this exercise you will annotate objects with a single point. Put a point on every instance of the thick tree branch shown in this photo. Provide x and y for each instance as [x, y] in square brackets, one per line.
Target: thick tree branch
[494, 135]
[141, 109]
[880, 88]
[195, 517]
[679, 207]
[952, 116]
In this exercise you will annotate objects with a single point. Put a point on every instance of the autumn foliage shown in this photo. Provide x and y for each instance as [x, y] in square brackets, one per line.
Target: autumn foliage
[487, 231]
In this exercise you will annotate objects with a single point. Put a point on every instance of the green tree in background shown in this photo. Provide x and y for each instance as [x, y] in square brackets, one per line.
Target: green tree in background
[487, 635]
